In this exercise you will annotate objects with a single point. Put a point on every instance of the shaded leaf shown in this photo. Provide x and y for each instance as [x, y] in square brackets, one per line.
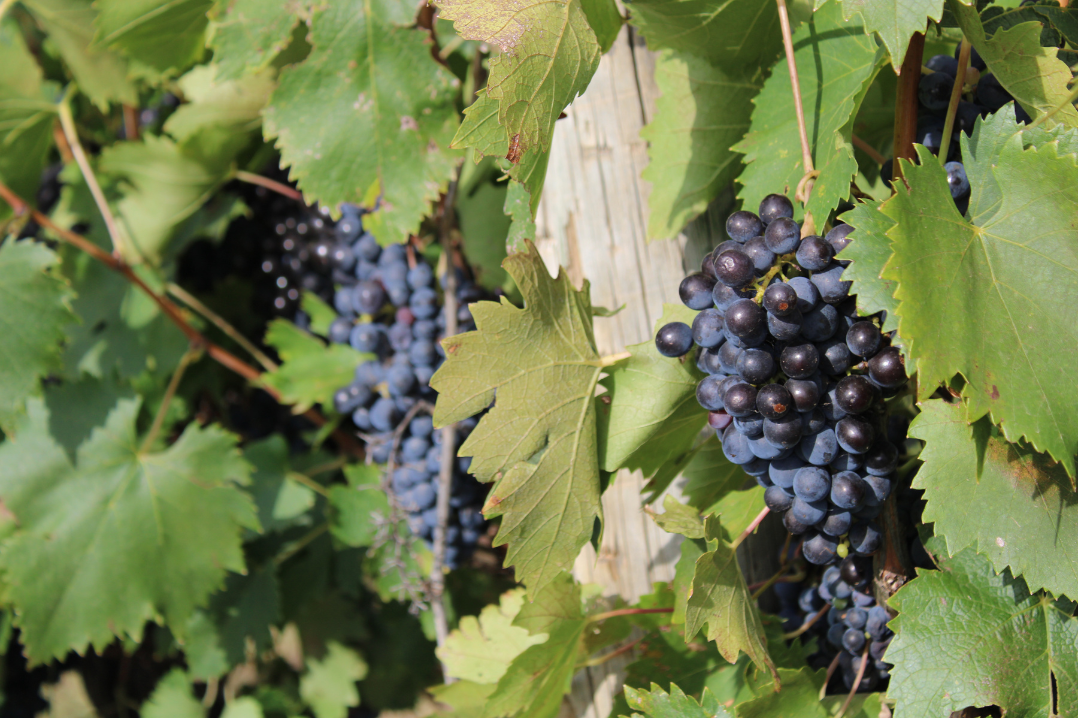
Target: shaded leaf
[1005, 337]
[800, 698]
[545, 404]
[481, 648]
[165, 526]
[247, 34]
[605, 21]
[895, 21]
[371, 92]
[711, 476]
[965, 636]
[310, 371]
[165, 35]
[728, 33]
[172, 698]
[360, 507]
[868, 252]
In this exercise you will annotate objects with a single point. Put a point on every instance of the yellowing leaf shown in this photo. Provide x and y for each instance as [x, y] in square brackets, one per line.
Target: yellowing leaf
[329, 685]
[481, 649]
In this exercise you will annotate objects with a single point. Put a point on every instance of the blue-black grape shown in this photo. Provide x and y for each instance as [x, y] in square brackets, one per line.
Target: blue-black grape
[743, 226]
[934, 92]
[815, 253]
[782, 236]
[695, 290]
[956, 179]
[734, 268]
[708, 326]
[775, 206]
[674, 339]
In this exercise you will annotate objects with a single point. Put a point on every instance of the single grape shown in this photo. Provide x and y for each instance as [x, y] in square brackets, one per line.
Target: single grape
[728, 355]
[674, 339]
[778, 499]
[865, 538]
[708, 393]
[421, 426]
[830, 284]
[966, 116]
[818, 548]
[812, 483]
[848, 490]
[837, 522]
[755, 366]
[888, 368]
[400, 379]
[734, 268]
[818, 449]
[719, 420]
[855, 394]
[814, 253]
[757, 468]
[863, 338]
[752, 426]
[340, 330]
[839, 237]
[780, 299]
[775, 206]
[845, 461]
[820, 324]
[943, 63]
[835, 358]
[739, 399]
[736, 447]
[724, 296]
[349, 398]
[882, 458]
[854, 435]
[367, 247]
[707, 265]
[853, 640]
[812, 422]
[743, 226]
[384, 415]
[745, 318]
[956, 179]
[934, 91]
[830, 409]
[990, 93]
[421, 275]
[782, 236]
[762, 257]
[805, 394]
[424, 303]
[856, 570]
[868, 512]
[367, 338]
[695, 290]
[793, 524]
[368, 297]
[808, 296]
[783, 471]
[784, 433]
[876, 625]
[764, 449]
[799, 362]
[784, 328]
[707, 327]
[773, 401]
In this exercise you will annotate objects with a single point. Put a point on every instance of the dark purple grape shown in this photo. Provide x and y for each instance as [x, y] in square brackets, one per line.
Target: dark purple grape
[934, 91]
[882, 458]
[837, 522]
[368, 297]
[775, 206]
[812, 483]
[943, 63]
[835, 357]
[808, 296]
[755, 366]
[888, 368]
[820, 448]
[743, 226]
[773, 401]
[752, 426]
[784, 433]
[814, 253]
[799, 362]
[793, 525]
[848, 490]
[809, 512]
[865, 538]
[762, 257]
[740, 399]
[839, 237]
[784, 328]
[736, 447]
[695, 291]
[780, 299]
[855, 571]
[778, 499]
[854, 435]
[863, 338]
[782, 236]
[728, 356]
[820, 324]
[734, 268]
[707, 265]
[719, 420]
[709, 393]
[745, 318]
[805, 394]
[707, 327]
[724, 296]
[855, 394]
[880, 488]
[833, 289]
[990, 93]
[845, 461]
[957, 179]
[674, 339]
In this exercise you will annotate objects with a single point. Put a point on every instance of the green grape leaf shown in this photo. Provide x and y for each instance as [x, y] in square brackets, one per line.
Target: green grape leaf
[1033, 75]
[678, 518]
[800, 698]
[649, 413]
[538, 442]
[101, 74]
[247, 34]
[34, 309]
[27, 114]
[1063, 19]
[548, 56]
[172, 698]
[117, 516]
[371, 92]
[720, 598]
[358, 508]
[656, 703]
[703, 110]
[837, 62]
[483, 228]
[76, 408]
[202, 652]
[737, 509]
[321, 314]
[244, 611]
[481, 648]
[605, 21]
[538, 678]
[162, 184]
[868, 252]
[464, 697]
[710, 475]
[518, 208]
[1036, 534]
[965, 636]
[895, 21]
[310, 370]
[164, 35]
[727, 33]
[329, 685]
[1007, 341]
[212, 102]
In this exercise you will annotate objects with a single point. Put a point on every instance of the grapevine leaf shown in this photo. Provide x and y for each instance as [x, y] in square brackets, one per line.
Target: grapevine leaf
[656, 703]
[837, 62]
[357, 505]
[800, 698]
[518, 208]
[649, 413]
[232, 104]
[548, 56]
[244, 611]
[1003, 646]
[1037, 534]
[539, 440]
[165, 35]
[684, 569]
[33, 313]
[172, 698]
[369, 92]
[895, 21]
[310, 371]
[966, 310]
[117, 516]
[483, 228]
[703, 110]
[537, 679]
[76, 408]
[329, 685]
[464, 697]
[321, 314]
[269, 482]
[605, 21]
[202, 652]
[731, 33]
[738, 509]
[720, 598]
[868, 252]
[677, 518]
[1031, 73]
[481, 649]
[100, 73]
[27, 113]
[1063, 19]
[247, 34]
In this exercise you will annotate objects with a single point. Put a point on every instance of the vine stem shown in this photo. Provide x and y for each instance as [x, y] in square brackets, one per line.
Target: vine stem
[830, 672]
[626, 612]
[301, 543]
[611, 359]
[449, 440]
[613, 654]
[868, 150]
[909, 77]
[272, 185]
[777, 578]
[791, 63]
[173, 384]
[67, 123]
[856, 684]
[956, 96]
[218, 321]
[750, 528]
[807, 624]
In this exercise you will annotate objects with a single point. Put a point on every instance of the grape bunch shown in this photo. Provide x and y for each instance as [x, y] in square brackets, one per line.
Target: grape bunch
[985, 96]
[389, 306]
[795, 378]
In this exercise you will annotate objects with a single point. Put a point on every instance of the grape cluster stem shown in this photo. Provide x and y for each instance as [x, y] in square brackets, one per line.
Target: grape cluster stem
[956, 96]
